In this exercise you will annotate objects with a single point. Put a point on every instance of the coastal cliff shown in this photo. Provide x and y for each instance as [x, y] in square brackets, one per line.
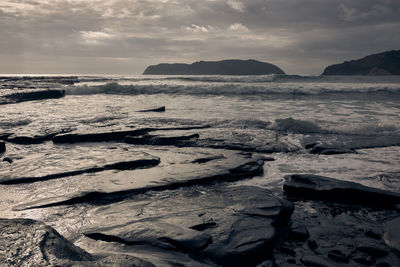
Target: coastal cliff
[386, 63]
[223, 67]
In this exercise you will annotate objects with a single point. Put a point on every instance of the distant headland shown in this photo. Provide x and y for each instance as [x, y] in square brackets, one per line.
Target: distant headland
[223, 67]
[385, 63]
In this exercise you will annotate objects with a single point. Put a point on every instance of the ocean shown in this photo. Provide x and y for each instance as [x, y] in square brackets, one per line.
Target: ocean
[341, 127]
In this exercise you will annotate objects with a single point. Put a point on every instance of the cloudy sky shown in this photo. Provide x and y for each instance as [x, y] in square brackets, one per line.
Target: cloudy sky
[124, 36]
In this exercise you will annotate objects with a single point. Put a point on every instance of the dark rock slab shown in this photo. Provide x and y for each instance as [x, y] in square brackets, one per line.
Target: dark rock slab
[9, 160]
[159, 109]
[28, 140]
[160, 234]
[156, 140]
[113, 135]
[310, 186]
[391, 234]
[231, 236]
[316, 261]
[2, 147]
[124, 165]
[322, 150]
[32, 139]
[153, 255]
[246, 147]
[207, 159]
[26, 242]
[33, 95]
[111, 186]
[96, 137]
[374, 250]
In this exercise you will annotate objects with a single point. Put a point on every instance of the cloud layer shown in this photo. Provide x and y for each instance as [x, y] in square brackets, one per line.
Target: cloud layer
[124, 36]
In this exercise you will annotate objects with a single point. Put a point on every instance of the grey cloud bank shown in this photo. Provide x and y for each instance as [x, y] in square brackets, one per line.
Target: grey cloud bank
[82, 36]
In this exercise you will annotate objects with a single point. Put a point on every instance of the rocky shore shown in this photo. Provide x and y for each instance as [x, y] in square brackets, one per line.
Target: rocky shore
[172, 201]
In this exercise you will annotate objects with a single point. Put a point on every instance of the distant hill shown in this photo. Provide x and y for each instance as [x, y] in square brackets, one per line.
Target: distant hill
[223, 67]
[386, 63]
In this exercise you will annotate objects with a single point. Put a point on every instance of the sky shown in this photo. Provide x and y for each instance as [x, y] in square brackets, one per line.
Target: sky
[125, 36]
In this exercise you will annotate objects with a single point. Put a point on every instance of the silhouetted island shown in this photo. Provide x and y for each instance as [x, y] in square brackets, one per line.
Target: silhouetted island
[223, 67]
[386, 63]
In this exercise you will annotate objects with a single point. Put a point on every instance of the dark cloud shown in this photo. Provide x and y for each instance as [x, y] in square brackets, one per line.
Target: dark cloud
[124, 36]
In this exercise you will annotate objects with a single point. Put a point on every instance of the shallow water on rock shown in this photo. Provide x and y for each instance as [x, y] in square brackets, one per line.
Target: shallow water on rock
[214, 130]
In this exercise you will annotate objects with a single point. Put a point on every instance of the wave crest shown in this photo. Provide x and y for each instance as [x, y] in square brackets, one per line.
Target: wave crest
[232, 89]
[296, 126]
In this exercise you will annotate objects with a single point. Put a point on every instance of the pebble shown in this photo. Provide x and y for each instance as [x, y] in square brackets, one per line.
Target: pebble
[316, 261]
[374, 250]
[382, 264]
[338, 255]
[312, 244]
[299, 232]
[363, 258]
[373, 234]
[287, 250]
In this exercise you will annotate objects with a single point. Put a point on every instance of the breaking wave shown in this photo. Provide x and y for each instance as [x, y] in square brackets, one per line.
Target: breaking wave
[232, 89]
[296, 126]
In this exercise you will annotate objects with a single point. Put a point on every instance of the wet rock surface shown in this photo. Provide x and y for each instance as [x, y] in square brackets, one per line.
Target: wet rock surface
[171, 202]
[26, 242]
[41, 166]
[319, 187]
[235, 225]
[125, 165]
[125, 188]
[392, 234]
[338, 236]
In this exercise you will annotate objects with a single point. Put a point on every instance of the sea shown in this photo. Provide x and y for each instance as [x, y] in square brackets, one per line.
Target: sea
[279, 116]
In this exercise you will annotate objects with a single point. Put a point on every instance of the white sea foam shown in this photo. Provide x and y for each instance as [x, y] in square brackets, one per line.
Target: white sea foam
[231, 89]
[307, 127]
[7, 123]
